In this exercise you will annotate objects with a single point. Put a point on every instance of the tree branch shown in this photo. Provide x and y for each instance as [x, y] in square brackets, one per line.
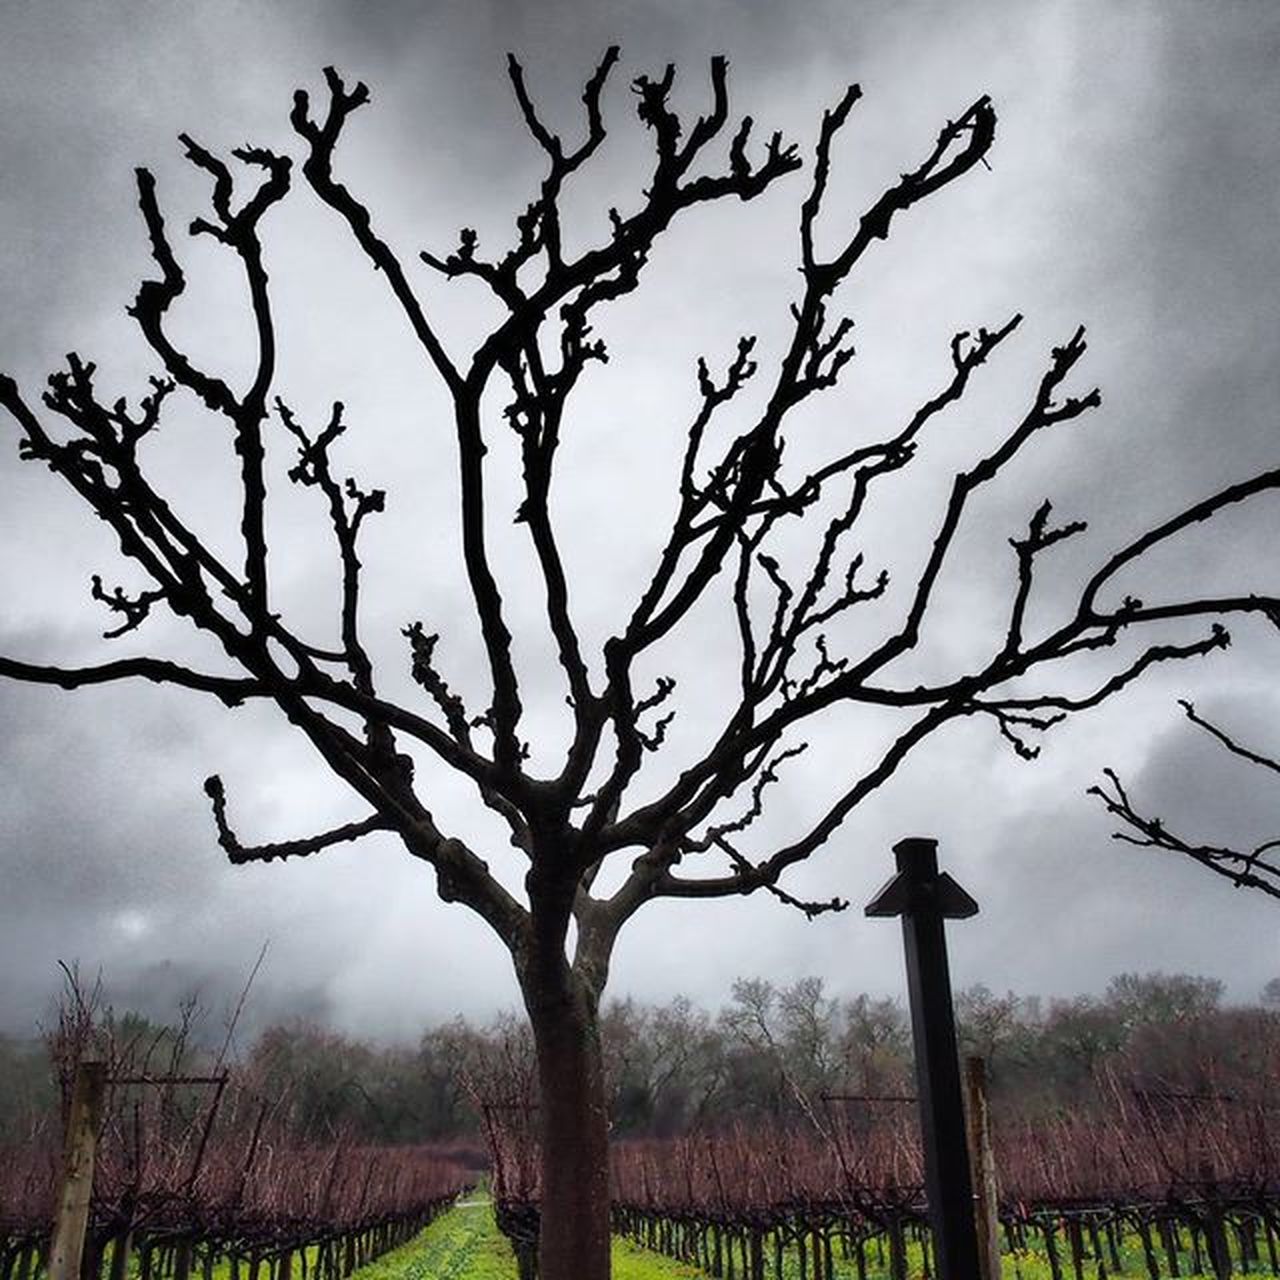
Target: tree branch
[1251, 870]
[1253, 757]
[349, 506]
[322, 137]
[239, 854]
[232, 691]
[239, 231]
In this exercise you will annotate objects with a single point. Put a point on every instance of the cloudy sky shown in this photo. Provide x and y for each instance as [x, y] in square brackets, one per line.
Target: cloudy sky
[1134, 187]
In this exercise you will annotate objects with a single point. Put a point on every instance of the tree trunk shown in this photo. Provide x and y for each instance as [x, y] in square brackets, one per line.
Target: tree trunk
[574, 1230]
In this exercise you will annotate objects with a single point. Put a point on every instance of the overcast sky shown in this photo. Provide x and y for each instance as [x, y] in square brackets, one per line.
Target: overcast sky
[1134, 187]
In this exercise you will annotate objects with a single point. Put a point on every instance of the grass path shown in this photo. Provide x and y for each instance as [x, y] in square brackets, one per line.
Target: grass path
[465, 1244]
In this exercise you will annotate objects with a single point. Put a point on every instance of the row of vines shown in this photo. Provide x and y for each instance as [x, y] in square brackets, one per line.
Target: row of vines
[199, 1172]
[1151, 1185]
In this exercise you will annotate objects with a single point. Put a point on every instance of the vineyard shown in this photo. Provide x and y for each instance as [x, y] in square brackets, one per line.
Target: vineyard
[1159, 1185]
[197, 1174]
[1191, 1188]
[202, 1171]
[1167, 1163]
[181, 1199]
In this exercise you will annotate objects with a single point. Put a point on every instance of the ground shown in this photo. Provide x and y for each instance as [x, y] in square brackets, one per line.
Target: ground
[465, 1244]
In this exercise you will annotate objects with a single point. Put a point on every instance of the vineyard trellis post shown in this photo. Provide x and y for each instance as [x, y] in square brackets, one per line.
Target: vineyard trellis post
[1215, 1235]
[925, 898]
[75, 1192]
[986, 1199]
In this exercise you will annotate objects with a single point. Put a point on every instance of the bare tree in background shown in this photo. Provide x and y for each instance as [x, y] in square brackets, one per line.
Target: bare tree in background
[1256, 868]
[737, 501]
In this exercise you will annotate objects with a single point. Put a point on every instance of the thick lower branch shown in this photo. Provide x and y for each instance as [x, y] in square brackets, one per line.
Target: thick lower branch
[231, 690]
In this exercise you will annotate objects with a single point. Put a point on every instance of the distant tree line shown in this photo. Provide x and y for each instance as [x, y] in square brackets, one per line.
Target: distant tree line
[775, 1053]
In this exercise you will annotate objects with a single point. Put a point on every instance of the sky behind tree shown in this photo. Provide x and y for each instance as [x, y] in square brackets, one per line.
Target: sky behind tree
[1133, 188]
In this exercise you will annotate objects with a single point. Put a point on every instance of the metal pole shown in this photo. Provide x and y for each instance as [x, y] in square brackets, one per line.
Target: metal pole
[924, 898]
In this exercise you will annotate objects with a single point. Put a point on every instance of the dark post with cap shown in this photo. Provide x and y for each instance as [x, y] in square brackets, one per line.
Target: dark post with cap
[924, 898]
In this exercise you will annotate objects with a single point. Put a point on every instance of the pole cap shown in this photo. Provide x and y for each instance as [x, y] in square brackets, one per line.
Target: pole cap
[919, 887]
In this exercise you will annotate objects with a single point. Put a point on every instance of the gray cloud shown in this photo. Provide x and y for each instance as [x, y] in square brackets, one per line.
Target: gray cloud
[1133, 187]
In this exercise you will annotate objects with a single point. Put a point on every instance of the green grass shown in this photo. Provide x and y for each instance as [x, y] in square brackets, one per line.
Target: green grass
[631, 1263]
[1033, 1264]
[1030, 1264]
[465, 1244]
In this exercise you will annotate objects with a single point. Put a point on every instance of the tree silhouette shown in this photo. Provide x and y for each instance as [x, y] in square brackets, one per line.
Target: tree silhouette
[1256, 868]
[737, 503]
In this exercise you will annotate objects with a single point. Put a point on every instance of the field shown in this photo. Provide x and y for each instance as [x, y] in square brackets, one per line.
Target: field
[215, 1175]
[465, 1244]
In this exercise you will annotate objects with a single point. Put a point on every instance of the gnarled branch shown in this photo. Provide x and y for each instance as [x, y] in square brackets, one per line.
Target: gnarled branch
[239, 854]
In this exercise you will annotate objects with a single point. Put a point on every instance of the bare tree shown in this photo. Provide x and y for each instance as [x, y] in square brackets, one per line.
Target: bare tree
[1256, 868]
[736, 500]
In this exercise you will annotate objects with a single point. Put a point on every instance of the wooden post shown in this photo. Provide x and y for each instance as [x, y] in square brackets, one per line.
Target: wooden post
[121, 1250]
[1214, 1225]
[986, 1197]
[75, 1194]
[182, 1259]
